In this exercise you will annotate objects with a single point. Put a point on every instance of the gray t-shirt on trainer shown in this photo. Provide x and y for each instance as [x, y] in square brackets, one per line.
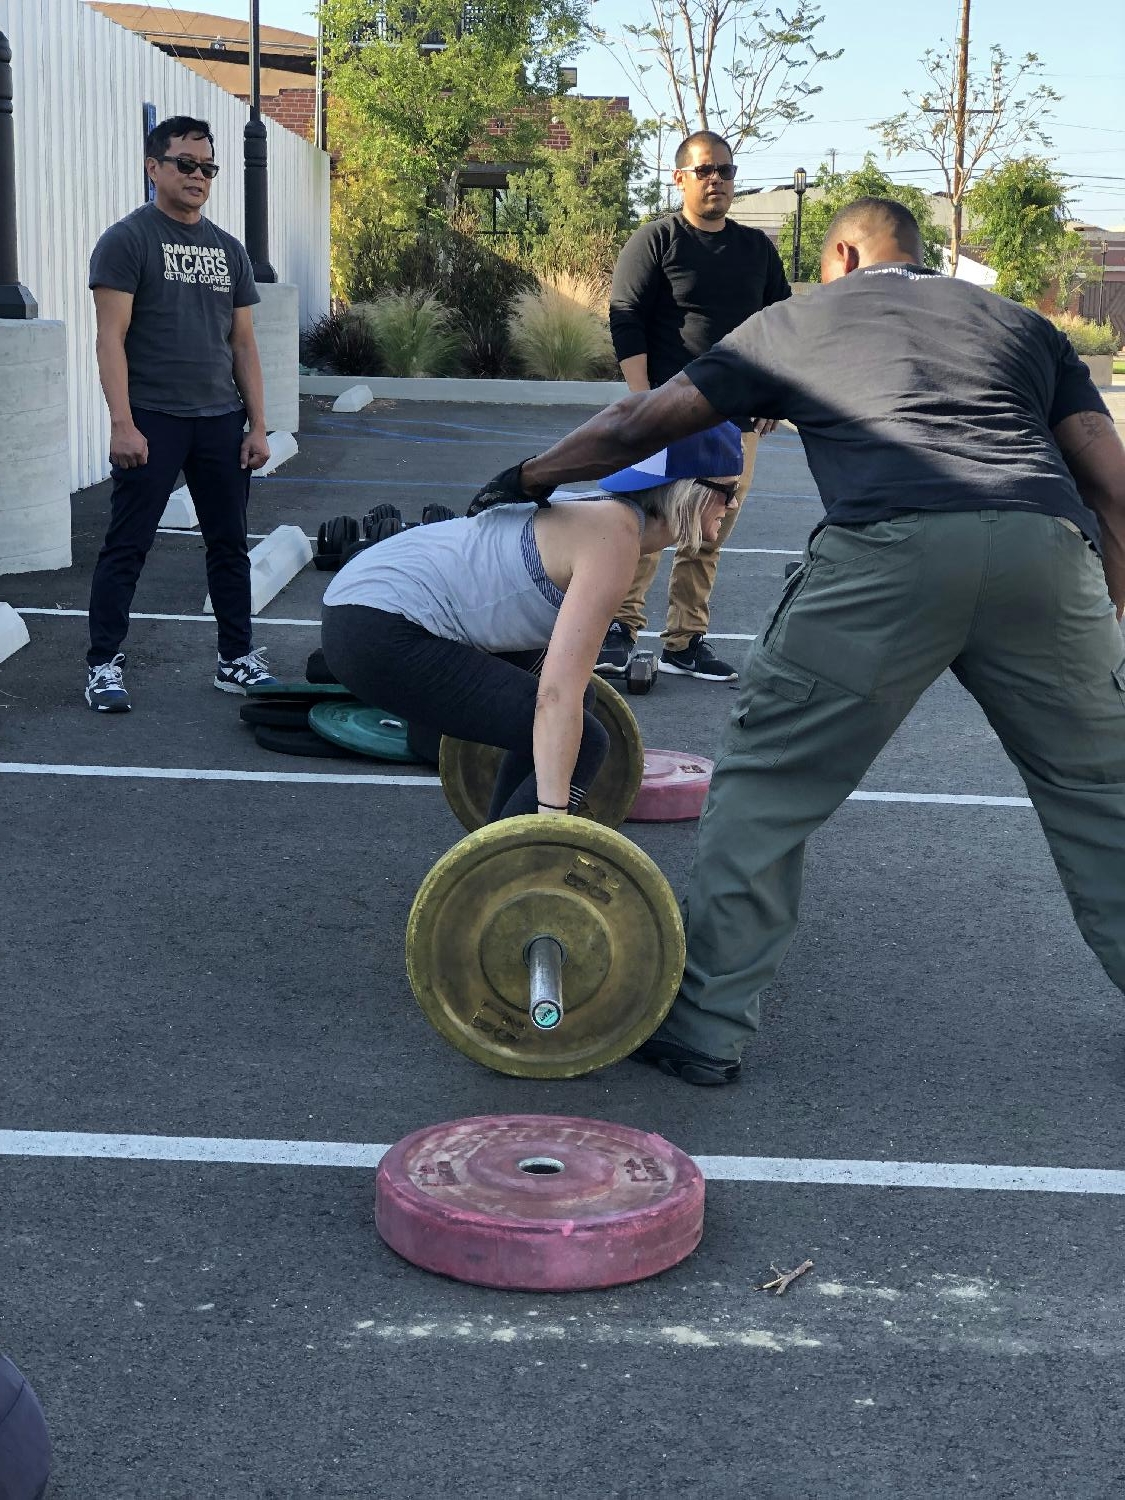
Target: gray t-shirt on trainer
[911, 391]
[186, 280]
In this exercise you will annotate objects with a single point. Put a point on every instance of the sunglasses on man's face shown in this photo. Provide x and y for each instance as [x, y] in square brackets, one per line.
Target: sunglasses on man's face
[705, 169]
[189, 165]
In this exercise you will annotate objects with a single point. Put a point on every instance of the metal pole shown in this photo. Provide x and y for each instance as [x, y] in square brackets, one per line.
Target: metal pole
[797, 239]
[959, 137]
[544, 957]
[15, 300]
[255, 165]
[320, 126]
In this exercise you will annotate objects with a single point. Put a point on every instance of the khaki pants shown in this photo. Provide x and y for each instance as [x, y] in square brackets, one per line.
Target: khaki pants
[1016, 605]
[689, 588]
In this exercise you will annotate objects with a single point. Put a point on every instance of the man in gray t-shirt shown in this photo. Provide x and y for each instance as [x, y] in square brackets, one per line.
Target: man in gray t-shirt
[975, 495]
[180, 371]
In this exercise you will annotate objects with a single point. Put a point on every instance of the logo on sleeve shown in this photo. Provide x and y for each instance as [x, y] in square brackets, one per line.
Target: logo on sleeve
[197, 265]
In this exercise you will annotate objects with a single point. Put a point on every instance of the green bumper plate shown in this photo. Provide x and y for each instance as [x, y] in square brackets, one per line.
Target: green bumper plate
[367, 731]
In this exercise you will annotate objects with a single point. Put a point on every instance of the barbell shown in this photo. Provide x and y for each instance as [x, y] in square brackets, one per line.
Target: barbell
[545, 946]
[468, 771]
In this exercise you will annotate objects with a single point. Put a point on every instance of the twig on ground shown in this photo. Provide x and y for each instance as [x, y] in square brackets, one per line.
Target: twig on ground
[782, 1280]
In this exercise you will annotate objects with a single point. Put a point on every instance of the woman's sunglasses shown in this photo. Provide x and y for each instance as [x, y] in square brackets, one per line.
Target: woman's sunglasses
[728, 491]
[189, 165]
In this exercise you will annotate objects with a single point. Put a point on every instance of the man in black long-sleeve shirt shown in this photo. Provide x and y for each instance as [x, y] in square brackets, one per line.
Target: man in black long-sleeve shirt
[681, 284]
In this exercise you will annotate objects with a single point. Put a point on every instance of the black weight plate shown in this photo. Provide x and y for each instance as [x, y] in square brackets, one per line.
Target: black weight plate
[379, 513]
[358, 546]
[300, 742]
[316, 669]
[791, 568]
[275, 715]
[327, 562]
[434, 513]
[389, 526]
[340, 533]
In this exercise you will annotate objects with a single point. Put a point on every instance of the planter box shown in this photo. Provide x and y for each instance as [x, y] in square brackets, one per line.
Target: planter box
[1100, 367]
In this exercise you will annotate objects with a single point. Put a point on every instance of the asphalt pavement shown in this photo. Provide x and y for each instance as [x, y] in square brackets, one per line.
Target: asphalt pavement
[201, 949]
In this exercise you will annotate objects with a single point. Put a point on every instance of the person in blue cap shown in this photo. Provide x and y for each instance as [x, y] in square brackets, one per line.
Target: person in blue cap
[25, 1445]
[487, 628]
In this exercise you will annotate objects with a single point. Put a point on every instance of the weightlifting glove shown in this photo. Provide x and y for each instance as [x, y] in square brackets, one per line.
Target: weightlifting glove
[505, 489]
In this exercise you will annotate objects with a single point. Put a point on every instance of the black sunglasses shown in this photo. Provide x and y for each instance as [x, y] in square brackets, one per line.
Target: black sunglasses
[725, 169]
[728, 490]
[189, 165]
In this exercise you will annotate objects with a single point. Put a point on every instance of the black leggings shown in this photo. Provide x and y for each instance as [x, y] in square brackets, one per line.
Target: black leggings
[447, 688]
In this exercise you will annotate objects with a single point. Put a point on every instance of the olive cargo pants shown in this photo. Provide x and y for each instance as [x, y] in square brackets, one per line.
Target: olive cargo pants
[689, 588]
[1016, 605]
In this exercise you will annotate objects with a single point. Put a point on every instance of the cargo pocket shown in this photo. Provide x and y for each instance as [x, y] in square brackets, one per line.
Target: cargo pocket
[774, 701]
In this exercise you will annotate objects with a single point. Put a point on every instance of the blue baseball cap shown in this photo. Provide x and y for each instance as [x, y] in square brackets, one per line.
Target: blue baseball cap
[714, 454]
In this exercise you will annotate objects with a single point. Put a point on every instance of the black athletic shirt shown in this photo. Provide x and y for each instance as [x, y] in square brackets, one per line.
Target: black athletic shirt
[911, 391]
[677, 290]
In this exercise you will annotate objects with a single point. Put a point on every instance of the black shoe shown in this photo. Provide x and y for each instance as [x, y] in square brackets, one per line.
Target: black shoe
[697, 660]
[617, 651]
[683, 1062]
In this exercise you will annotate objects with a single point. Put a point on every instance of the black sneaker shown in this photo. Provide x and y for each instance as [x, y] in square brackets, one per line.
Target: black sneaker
[617, 651]
[242, 672]
[684, 1062]
[697, 660]
[105, 690]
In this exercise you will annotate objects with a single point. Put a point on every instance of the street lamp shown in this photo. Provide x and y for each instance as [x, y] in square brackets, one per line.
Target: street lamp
[254, 164]
[800, 183]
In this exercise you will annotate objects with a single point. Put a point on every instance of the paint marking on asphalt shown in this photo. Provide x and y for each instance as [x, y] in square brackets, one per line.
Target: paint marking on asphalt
[792, 1170]
[327, 778]
[190, 773]
[82, 614]
[258, 536]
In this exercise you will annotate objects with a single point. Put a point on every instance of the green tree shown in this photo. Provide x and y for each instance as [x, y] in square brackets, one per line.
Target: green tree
[1019, 211]
[583, 189]
[868, 181]
[422, 81]
[998, 119]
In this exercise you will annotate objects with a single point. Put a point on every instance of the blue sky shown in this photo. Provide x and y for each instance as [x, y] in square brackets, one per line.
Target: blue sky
[1082, 43]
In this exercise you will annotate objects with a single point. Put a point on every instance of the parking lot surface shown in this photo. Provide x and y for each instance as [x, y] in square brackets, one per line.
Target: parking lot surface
[203, 949]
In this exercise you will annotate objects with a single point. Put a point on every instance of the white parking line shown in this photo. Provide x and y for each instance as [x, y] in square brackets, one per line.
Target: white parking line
[82, 614]
[258, 536]
[794, 1170]
[359, 778]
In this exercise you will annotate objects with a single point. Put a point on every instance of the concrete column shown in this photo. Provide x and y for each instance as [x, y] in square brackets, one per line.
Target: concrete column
[276, 328]
[34, 447]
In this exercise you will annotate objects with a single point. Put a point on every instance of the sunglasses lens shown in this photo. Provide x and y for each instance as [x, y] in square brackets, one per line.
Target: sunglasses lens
[188, 166]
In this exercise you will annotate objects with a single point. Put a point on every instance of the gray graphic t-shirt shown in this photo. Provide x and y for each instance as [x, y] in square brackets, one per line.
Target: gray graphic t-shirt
[186, 281]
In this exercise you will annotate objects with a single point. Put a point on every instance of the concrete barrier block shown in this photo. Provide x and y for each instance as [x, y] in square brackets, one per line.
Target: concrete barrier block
[34, 447]
[274, 562]
[355, 398]
[180, 510]
[277, 332]
[13, 632]
[283, 447]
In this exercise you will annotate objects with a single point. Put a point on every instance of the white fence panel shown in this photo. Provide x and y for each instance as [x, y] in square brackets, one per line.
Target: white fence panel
[80, 82]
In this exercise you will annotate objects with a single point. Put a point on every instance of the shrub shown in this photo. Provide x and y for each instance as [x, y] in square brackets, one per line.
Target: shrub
[341, 342]
[557, 336]
[1087, 336]
[488, 348]
[413, 333]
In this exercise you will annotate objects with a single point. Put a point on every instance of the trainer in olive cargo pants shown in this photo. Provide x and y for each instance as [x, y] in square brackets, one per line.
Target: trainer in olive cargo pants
[1016, 605]
[693, 577]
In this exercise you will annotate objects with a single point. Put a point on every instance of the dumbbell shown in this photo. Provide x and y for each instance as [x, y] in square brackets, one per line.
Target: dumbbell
[468, 771]
[333, 539]
[545, 946]
[640, 675]
[791, 568]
